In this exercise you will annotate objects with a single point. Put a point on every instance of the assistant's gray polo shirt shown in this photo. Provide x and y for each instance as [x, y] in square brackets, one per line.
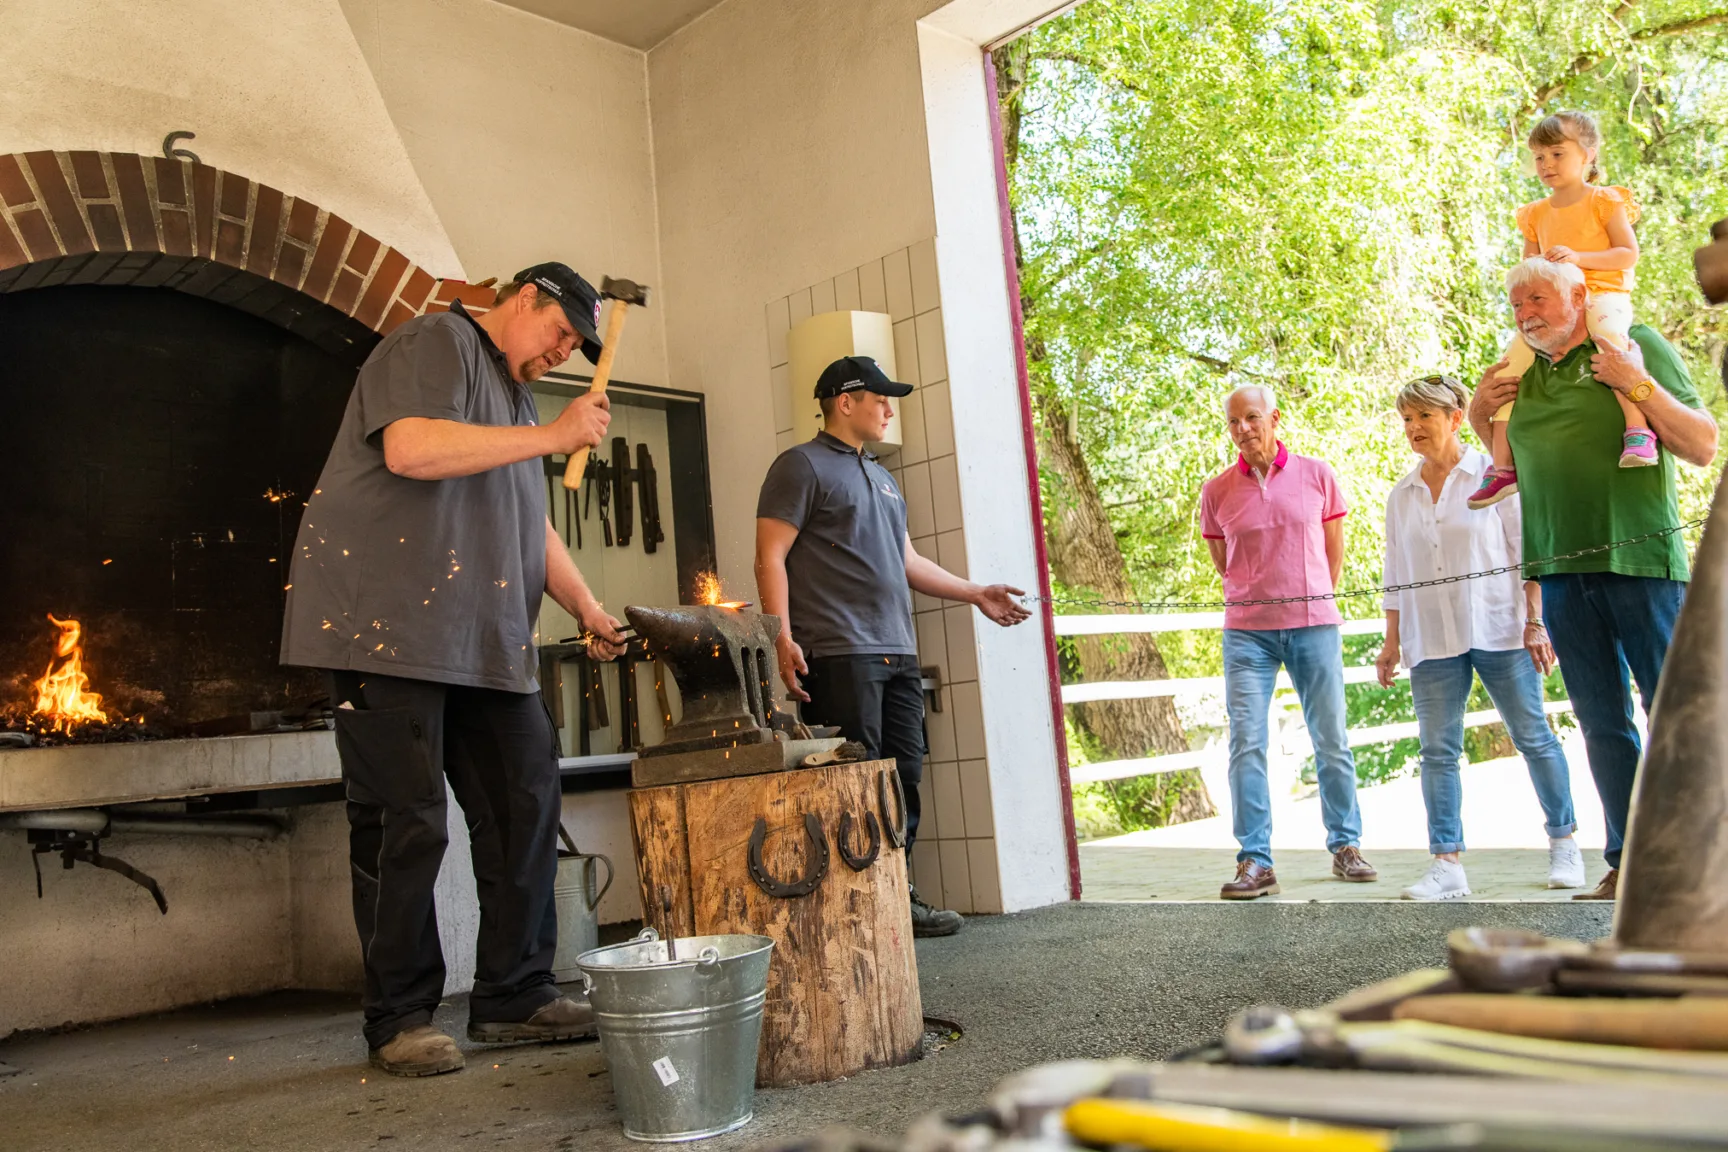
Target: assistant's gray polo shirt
[427, 579]
[846, 572]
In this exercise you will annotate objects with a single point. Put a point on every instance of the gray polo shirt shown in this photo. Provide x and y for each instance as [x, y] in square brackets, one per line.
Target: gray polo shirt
[846, 572]
[427, 579]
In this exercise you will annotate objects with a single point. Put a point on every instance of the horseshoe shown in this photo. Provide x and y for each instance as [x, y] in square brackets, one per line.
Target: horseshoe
[859, 862]
[817, 868]
[897, 828]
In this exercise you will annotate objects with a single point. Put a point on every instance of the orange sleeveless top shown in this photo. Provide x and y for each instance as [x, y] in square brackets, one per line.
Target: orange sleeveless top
[1582, 227]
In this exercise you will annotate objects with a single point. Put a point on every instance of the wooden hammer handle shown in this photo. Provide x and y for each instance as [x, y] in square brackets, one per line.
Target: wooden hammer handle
[1696, 1023]
[602, 373]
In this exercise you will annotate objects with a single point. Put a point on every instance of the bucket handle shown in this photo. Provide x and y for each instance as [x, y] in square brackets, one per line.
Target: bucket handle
[588, 870]
[708, 957]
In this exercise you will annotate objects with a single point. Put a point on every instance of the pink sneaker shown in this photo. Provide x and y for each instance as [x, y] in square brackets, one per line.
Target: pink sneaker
[1640, 449]
[1497, 484]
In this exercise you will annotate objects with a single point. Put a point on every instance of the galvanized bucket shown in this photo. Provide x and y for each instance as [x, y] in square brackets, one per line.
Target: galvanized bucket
[680, 1030]
[576, 894]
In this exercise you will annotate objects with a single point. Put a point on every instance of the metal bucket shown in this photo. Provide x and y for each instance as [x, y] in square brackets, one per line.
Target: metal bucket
[575, 896]
[680, 1030]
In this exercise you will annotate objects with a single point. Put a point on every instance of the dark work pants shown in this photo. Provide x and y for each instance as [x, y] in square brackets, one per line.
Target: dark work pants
[879, 702]
[398, 745]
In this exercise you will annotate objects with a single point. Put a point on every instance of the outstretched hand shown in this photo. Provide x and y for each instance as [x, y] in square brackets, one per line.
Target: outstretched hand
[997, 603]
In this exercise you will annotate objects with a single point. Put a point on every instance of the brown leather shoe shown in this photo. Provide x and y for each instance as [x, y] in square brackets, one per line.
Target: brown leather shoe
[562, 1019]
[422, 1051]
[1603, 891]
[1348, 865]
[1252, 881]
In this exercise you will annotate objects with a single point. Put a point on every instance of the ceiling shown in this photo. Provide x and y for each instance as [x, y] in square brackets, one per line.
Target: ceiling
[638, 23]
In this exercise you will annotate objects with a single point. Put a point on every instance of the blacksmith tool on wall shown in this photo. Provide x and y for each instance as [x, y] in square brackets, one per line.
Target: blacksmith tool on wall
[815, 868]
[622, 505]
[603, 482]
[649, 480]
[622, 293]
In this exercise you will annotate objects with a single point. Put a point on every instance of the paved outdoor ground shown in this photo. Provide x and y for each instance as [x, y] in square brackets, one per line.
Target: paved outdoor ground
[1143, 980]
[1507, 857]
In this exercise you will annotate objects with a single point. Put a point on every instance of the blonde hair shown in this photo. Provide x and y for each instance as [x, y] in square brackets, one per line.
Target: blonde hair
[1434, 393]
[1579, 127]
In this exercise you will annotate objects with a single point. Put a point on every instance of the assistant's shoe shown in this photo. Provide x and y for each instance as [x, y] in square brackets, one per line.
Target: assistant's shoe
[1497, 484]
[421, 1051]
[1604, 889]
[930, 921]
[563, 1019]
[1253, 880]
[1444, 880]
[1639, 449]
[1565, 863]
[1348, 865]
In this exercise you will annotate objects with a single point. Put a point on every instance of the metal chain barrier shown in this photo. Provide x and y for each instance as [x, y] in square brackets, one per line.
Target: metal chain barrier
[1194, 605]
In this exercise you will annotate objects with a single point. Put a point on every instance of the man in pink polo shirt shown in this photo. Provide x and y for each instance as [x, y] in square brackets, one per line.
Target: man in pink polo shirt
[1274, 523]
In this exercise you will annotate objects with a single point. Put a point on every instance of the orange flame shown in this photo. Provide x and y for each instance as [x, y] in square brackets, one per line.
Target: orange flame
[708, 592]
[63, 694]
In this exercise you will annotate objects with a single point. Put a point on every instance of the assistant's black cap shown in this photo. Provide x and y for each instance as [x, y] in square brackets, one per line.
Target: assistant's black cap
[581, 302]
[855, 373]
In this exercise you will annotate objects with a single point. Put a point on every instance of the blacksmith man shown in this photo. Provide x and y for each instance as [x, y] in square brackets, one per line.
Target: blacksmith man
[417, 577]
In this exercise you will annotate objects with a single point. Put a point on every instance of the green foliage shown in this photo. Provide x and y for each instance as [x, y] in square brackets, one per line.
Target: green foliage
[1318, 195]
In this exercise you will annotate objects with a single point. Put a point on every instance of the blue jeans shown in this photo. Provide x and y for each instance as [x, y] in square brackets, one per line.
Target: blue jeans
[1441, 689]
[1315, 659]
[1604, 626]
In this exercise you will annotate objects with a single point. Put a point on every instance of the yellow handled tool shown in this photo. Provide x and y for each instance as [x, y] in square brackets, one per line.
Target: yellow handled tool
[1194, 1128]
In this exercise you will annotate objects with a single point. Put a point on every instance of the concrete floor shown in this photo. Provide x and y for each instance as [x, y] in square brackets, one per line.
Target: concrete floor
[289, 1071]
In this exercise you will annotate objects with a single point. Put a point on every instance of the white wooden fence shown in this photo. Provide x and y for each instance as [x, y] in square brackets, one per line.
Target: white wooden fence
[1219, 752]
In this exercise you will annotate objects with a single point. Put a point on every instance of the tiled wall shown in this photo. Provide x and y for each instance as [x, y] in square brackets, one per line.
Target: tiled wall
[954, 860]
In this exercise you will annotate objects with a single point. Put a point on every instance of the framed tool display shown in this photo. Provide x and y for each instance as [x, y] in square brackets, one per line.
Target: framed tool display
[640, 526]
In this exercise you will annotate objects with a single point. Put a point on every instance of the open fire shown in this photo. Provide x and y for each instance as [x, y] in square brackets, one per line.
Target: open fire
[63, 696]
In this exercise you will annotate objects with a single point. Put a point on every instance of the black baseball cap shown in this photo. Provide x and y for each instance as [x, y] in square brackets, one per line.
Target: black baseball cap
[580, 301]
[855, 373]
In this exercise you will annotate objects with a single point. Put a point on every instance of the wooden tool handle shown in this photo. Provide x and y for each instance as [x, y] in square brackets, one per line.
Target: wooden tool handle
[1694, 1024]
[602, 373]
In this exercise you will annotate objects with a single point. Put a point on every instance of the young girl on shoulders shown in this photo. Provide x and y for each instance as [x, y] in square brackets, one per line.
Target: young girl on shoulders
[1588, 224]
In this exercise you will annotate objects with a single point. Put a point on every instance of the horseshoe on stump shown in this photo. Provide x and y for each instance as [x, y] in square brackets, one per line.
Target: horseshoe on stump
[813, 872]
[895, 828]
[859, 862]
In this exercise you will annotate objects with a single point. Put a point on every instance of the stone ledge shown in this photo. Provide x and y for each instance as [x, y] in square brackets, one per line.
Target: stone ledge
[78, 776]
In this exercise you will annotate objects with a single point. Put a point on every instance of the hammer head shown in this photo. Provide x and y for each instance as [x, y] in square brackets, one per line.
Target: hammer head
[627, 291]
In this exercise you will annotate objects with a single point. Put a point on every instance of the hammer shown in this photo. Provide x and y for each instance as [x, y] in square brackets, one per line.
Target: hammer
[622, 293]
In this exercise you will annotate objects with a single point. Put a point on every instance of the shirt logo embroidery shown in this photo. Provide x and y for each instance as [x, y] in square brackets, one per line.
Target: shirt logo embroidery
[888, 490]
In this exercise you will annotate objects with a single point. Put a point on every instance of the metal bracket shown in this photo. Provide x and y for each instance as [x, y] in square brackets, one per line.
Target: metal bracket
[896, 828]
[859, 862]
[75, 846]
[813, 873]
[171, 152]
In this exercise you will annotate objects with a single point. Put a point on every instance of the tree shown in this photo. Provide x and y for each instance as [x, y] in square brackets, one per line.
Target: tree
[1316, 195]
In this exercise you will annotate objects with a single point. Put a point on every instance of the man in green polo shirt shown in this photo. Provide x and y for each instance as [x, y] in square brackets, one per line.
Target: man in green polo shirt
[1610, 613]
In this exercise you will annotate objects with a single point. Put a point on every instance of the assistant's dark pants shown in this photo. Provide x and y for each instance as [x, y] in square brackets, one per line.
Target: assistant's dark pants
[879, 702]
[398, 745]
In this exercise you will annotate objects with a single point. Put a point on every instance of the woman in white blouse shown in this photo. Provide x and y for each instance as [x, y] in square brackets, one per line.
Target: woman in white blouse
[1450, 633]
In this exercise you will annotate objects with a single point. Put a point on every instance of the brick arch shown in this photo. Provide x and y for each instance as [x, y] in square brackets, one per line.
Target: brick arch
[118, 218]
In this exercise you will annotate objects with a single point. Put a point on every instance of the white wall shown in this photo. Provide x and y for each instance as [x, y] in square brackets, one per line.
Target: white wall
[275, 89]
[532, 139]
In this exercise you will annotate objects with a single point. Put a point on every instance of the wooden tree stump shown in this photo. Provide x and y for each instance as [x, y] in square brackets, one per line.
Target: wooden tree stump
[843, 986]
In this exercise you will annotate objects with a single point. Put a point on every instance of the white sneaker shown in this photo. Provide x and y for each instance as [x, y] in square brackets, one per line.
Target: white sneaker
[1444, 881]
[1565, 863]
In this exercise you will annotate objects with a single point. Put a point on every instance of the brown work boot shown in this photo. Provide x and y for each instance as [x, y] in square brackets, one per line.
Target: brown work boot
[1252, 881]
[421, 1051]
[1348, 865]
[1603, 891]
[562, 1019]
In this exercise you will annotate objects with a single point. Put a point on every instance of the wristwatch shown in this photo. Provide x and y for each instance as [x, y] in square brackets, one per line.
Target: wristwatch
[1641, 391]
